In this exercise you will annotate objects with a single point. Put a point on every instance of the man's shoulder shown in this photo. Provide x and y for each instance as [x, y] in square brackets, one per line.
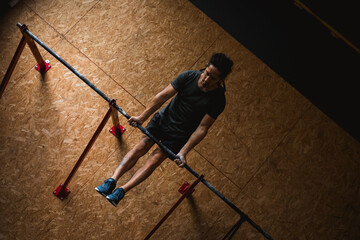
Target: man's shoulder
[191, 73]
[184, 78]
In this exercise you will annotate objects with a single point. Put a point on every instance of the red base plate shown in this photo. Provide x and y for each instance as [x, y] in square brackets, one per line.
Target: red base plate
[47, 66]
[61, 192]
[185, 187]
[117, 131]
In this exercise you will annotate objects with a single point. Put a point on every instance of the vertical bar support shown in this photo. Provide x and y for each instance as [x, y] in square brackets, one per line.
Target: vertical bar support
[34, 49]
[117, 130]
[42, 65]
[62, 192]
[186, 194]
[12, 65]
[234, 229]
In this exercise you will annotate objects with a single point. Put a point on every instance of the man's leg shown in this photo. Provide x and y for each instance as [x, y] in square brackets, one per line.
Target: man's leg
[127, 163]
[131, 158]
[153, 161]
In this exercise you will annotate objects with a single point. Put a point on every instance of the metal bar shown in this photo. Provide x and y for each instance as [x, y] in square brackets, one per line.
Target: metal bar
[115, 120]
[36, 53]
[234, 229]
[12, 65]
[88, 147]
[187, 193]
[34, 49]
[167, 151]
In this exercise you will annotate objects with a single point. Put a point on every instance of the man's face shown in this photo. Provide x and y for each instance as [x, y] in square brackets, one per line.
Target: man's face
[209, 79]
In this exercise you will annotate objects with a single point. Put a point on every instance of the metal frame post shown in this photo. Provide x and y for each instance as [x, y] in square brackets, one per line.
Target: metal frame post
[234, 229]
[117, 130]
[42, 66]
[12, 65]
[184, 195]
[62, 191]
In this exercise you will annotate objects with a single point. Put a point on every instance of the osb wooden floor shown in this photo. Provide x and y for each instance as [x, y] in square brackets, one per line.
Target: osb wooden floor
[275, 155]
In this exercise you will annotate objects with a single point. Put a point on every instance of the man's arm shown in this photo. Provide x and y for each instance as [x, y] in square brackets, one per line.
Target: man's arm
[195, 138]
[154, 105]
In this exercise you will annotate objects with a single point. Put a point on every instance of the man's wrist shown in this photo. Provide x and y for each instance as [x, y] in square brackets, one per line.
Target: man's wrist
[142, 117]
[182, 152]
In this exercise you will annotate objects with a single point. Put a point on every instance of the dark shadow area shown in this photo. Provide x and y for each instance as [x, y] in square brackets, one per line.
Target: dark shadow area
[301, 49]
[196, 214]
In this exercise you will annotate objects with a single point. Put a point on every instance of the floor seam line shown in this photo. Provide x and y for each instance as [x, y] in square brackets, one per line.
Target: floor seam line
[218, 169]
[276, 147]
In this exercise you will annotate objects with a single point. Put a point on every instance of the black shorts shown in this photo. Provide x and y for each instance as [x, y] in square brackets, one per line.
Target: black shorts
[161, 132]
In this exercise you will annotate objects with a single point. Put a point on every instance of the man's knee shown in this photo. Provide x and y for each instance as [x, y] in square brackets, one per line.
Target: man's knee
[156, 158]
[143, 145]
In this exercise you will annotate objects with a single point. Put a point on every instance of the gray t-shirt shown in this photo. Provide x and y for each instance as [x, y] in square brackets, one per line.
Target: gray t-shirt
[186, 110]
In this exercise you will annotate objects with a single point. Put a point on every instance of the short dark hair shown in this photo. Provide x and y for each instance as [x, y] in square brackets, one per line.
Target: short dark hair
[222, 63]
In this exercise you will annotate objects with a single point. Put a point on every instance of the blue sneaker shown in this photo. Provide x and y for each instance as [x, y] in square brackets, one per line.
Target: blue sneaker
[116, 196]
[107, 187]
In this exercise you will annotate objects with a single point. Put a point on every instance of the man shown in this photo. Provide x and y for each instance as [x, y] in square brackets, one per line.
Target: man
[180, 125]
